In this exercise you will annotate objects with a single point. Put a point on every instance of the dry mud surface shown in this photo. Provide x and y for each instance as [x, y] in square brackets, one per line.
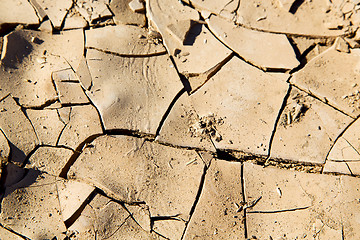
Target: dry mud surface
[179, 119]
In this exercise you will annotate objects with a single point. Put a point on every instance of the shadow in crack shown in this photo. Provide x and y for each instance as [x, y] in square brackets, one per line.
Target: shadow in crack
[296, 49]
[11, 174]
[194, 31]
[16, 48]
[295, 6]
[6, 28]
[24, 178]
[16, 155]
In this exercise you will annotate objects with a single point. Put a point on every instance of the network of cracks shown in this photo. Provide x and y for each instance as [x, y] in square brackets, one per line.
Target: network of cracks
[168, 119]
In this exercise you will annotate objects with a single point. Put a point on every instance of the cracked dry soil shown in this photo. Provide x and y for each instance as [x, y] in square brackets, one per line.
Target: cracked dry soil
[179, 119]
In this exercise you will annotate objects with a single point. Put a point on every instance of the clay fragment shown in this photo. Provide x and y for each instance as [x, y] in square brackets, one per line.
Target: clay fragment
[1, 44]
[238, 107]
[101, 218]
[47, 125]
[17, 129]
[340, 70]
[39, 10]
[223, 8]
[51, 160]
[68, 87]
[194, 57]
[315, 125]
[7, 234]
[28, 59]
[64, 114]
[137, 97]
[93, 11]
[347, 7]
[181, 30]
[84, 226]
[308, 48]
[265, 50]
[132, 41]
[55, 10]
[221, 196]
[183, 127]
[131, 230]
[72, 196]
[352, 43]
[342, 167]
[84, 123]
[107, 227]
[141, 214]
[74, 20]
[31, 207]
[4, 148]
[326, 210]
[128, 172]
[46, 26]
[341, 45]
[15, 12]
[12, 174]
[170, 228]
[269, 16]
[124, 15]
[83, 74]
[137, 6]
[179, 119]
[286, 4]
[344, 156]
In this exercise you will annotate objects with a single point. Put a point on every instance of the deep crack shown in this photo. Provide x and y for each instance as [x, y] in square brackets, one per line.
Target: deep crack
[197, 198]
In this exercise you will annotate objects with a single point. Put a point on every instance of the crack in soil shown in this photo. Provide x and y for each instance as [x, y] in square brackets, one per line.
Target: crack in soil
[12, 231]
[282, 210]
[129, 55]
[283, 105]
[168, 110]
[197, 198]
[321, 100]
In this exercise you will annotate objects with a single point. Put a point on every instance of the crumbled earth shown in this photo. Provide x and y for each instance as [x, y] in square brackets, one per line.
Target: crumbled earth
[179, 119]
